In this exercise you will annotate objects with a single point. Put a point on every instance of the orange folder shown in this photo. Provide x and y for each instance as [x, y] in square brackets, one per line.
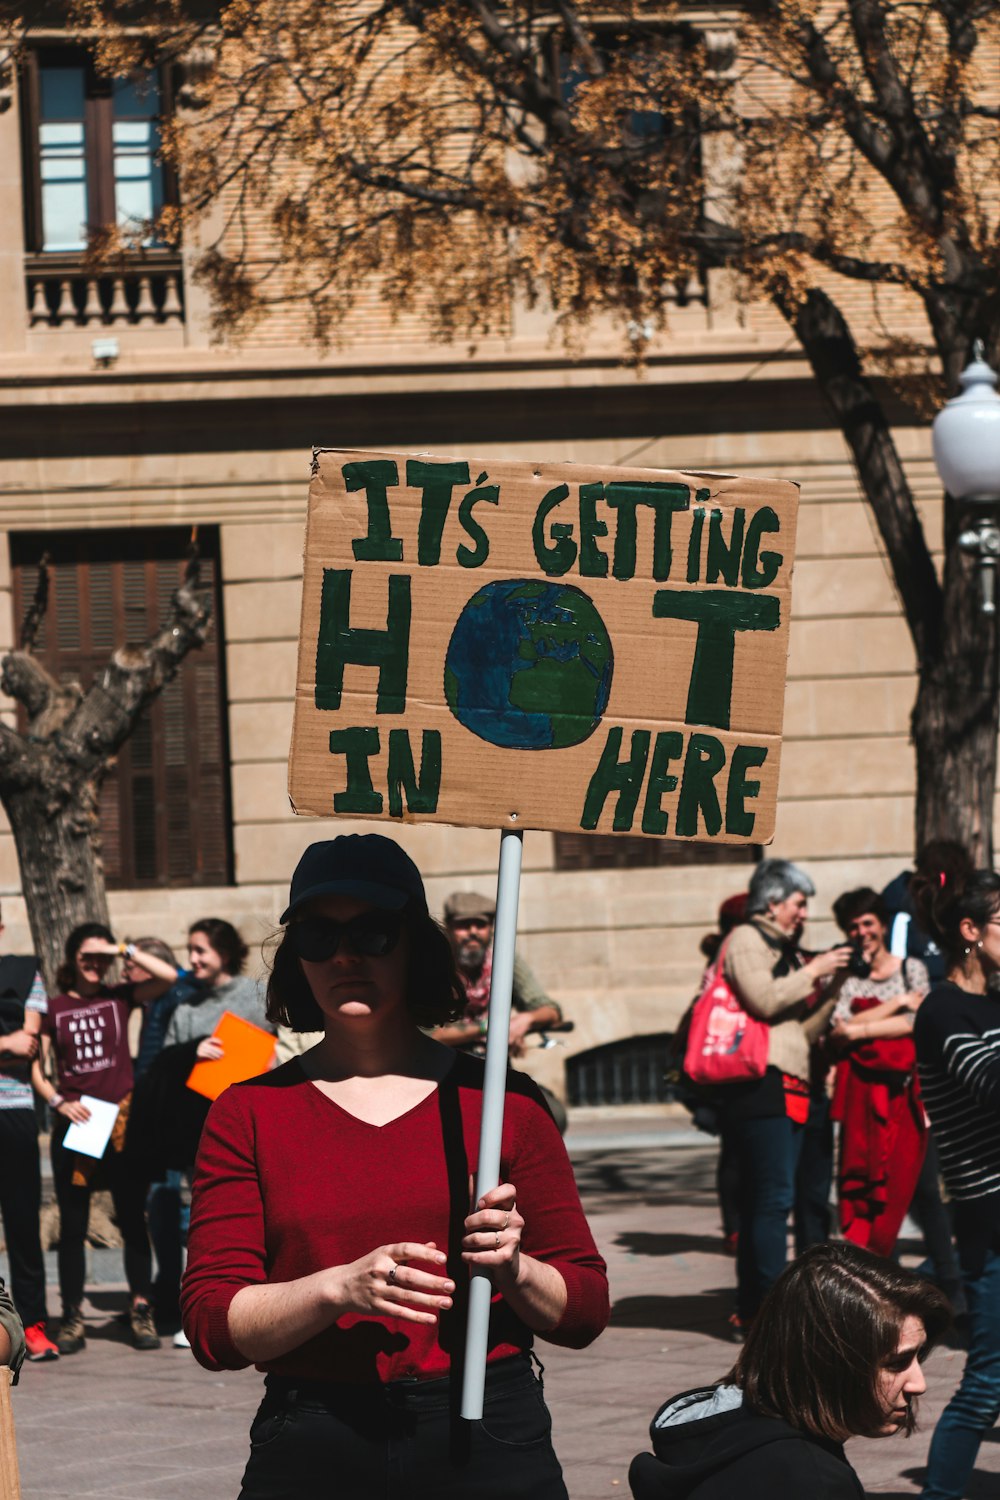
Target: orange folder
[249, 1050]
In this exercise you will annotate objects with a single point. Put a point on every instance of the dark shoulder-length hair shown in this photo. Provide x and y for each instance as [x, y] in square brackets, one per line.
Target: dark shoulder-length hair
[66, 972]
[435, 994]
[824, 1333]
[223, 937]
[863, 902]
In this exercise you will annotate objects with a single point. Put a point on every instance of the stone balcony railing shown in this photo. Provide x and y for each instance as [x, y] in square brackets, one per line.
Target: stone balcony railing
[62, 292]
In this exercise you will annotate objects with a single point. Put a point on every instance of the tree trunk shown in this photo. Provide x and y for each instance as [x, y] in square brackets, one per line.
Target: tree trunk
[955, 718]
[957, 714]
[55, 831]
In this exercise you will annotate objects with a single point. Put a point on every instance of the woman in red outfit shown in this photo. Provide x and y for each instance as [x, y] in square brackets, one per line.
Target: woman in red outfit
[883, 1134]
[331, 1238]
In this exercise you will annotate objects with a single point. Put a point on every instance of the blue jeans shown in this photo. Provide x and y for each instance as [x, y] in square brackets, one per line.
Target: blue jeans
[975, 1406]
[767, 1152]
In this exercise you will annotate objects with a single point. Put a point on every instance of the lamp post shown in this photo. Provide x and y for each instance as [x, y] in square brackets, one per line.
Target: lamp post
[966, 437]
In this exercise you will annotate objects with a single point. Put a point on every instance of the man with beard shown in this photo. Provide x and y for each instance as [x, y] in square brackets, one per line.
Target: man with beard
[468, 918]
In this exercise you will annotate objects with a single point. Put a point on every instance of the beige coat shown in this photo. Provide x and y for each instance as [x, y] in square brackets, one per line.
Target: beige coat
[780, 1002]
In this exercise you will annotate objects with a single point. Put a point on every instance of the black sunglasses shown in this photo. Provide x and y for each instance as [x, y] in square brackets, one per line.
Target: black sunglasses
[372, 934]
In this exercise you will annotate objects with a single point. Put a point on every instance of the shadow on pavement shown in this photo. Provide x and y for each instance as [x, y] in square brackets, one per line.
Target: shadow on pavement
[653, 1176]
[640, 1242]
[981, 1486]
[701, 1312]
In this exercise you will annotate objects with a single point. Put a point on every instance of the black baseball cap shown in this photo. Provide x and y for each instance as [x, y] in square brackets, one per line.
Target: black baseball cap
[366, 865]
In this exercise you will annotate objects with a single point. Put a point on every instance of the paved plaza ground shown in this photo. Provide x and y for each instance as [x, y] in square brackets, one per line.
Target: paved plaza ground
[113, 1422]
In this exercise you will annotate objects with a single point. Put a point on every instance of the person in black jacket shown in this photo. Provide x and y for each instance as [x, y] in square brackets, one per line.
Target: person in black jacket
[835, 1352]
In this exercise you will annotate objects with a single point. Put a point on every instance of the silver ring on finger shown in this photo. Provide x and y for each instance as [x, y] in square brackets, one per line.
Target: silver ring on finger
[390, 1280]
[506, 1221]
[497, 1245]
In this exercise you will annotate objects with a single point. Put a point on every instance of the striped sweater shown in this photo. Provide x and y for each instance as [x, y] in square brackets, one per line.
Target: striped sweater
[957, 1035]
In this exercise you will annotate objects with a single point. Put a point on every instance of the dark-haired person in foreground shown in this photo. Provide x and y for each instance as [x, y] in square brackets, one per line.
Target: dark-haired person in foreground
[332, 1232]
[835, 1352]
[957, 1034]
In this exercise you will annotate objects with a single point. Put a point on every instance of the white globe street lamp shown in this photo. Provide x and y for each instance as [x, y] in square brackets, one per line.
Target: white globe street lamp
[966, 435]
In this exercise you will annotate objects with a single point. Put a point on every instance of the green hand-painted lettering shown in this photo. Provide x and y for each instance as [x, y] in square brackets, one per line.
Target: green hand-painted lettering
[724, 557]
[704, 760]
[338, 643]
[624, 777]
[474, 557]
[358, 745]
[760, 569]
[436, 480]
[593, 562]
[374, 476]
[557, 559]
[421, 793]
[744, 758]
[664, 499]
[694, 545]
[666, 748]
[719, 616]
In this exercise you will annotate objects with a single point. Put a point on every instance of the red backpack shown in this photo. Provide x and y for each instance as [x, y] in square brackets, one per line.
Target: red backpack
[725, 1044]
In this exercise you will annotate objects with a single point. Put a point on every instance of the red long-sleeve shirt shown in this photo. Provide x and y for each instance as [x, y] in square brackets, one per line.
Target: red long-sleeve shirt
[289, 1183]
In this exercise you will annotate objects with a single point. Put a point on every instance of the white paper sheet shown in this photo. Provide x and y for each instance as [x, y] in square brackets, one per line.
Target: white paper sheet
[92, 1138]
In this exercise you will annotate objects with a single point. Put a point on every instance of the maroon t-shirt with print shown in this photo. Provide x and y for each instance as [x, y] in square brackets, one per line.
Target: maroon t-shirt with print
[90, 1038]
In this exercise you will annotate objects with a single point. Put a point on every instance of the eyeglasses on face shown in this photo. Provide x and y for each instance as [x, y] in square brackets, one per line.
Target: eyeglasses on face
[470, 924]
[374, 934]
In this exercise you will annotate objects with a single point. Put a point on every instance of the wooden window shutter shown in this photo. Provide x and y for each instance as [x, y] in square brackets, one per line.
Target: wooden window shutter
[164, 811]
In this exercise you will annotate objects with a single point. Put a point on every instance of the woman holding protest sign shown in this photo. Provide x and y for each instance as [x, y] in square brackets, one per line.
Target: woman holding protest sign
[331, 1232]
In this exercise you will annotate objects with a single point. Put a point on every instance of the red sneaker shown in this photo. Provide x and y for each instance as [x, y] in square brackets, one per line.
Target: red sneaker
[40, 1346]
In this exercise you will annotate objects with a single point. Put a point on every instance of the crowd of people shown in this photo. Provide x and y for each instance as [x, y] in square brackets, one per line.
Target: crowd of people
[341, 1270]
[895, 1035]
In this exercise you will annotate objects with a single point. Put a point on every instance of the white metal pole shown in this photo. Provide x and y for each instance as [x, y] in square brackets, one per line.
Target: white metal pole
[494, 1092]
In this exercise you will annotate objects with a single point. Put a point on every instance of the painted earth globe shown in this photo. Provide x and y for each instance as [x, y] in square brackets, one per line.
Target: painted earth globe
[529, 665]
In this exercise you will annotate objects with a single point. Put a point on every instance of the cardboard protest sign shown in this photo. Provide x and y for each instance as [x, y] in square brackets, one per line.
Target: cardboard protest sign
[556, 646]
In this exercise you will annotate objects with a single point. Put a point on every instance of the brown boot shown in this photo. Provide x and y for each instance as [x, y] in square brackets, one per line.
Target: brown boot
[144, 1334]
[72, 1335]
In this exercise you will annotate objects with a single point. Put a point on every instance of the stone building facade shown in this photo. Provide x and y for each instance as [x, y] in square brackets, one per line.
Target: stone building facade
[124, 426]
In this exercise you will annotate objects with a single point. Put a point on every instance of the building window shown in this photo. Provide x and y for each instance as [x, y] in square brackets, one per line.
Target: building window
[606, 851]
[165, 807]
[92, 152]
[657, 133]
[637, 1070]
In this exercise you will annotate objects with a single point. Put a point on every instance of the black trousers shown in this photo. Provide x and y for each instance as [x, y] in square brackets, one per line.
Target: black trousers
[20, 1204]
[404, 1441]
[128, 1194]
[934, 1221]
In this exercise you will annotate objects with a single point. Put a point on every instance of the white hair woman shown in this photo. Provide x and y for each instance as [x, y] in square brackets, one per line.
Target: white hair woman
[765, 1117]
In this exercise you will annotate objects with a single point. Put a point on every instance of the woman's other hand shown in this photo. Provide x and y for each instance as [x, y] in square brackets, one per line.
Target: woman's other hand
[74, 1110]
[210, 1050]
[843, 1035]
[825, 964]
[384, 1283]
[20, 1044]
[493, 1233]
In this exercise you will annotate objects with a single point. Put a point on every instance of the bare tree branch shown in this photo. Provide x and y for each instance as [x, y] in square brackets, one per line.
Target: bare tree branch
[35, 614]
